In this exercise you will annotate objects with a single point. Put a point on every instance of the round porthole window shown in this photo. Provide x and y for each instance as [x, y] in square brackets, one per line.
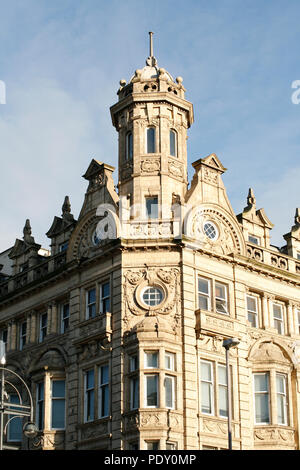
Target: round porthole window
[152, 296]
[96, 238]
[210, 230]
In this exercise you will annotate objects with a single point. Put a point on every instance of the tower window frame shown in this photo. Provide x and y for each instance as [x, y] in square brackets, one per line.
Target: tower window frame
[129, 146]
[173, 143]
[151, 139]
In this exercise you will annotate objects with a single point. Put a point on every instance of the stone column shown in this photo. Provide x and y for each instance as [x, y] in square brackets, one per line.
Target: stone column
[290, 308]
[272, 397]
[54, 318]
[265, 311]
[32, 329]
[49, 318]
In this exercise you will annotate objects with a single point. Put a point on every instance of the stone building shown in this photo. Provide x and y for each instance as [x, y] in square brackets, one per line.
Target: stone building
[118, 329]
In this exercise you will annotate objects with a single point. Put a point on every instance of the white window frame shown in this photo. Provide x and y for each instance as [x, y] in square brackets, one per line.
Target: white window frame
[87, 392]
[104, 298]
[151, 215]
[23, 336]
[279, 321]
[222, 299]
[207, 296]
[284, 397]
[146, 377]
[211, 385]
[223, 386]
[172, 380]
[252, 312]
[89, 304]
[268, 392]
[62, 398]
[63, 317]
[43, 328]
[146, 353]
[103, 386]
[170, 361]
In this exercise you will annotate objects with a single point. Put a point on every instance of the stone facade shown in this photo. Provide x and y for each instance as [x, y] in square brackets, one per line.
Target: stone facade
[118, 330]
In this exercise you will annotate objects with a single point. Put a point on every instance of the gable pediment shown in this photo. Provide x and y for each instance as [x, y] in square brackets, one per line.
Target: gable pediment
[212, 161]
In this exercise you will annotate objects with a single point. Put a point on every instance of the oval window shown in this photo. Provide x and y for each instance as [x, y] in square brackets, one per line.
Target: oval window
[152, 296]
[210, 230]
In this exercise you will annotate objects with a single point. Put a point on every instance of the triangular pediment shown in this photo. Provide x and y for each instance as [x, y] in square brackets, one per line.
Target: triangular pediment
[211, 161]
[94, 168]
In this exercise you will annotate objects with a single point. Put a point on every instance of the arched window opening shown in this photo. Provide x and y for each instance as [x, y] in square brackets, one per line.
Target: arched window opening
[151, 140]
[173, 143]
[129, 146]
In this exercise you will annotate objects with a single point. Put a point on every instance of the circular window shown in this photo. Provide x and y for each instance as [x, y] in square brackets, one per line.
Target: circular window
[95, 238]
[152, 296]
[210, 230]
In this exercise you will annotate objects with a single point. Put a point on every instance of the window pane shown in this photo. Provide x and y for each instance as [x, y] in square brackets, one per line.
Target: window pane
[262, 408]
[129, 146]
[152, 207]
[261, 388]
[206, 398]
[251, 304]
[154, 445]
[203, 302]
[151, 140]
[206, 372]
[223, 401]
[152, 359]
[15, 425]
[104, 375]
[261, 383]
[134, 391]
[58, 389]
[172, 143]
[169, 390]
[203, 285]
[58, 414]
[151, 390]
[220, 291]
[91, 296]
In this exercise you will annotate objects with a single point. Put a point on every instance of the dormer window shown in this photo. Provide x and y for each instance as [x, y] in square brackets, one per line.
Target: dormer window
[129, 146]
[150, 144]
[173, 143]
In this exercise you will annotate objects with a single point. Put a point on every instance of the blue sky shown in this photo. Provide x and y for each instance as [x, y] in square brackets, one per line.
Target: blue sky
[61, 61]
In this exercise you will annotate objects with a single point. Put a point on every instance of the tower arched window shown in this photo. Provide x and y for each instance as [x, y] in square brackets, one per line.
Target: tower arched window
[173, 143]
[129, 146]
[150, 144]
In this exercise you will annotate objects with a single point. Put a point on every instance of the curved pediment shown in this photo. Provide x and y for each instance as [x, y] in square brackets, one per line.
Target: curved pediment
[214, 229]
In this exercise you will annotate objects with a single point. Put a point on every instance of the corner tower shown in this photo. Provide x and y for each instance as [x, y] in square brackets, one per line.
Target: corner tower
[152, 117]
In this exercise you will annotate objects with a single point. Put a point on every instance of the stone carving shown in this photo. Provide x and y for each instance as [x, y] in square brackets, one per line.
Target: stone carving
[214, 426]
[227, 241]
[167, 280]
[268, 351]
[152, 230]
[152, 420]
[175, 169]
[210, 176]
[90, 431]
[51, 440]
[274, 434]
[150, 165]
